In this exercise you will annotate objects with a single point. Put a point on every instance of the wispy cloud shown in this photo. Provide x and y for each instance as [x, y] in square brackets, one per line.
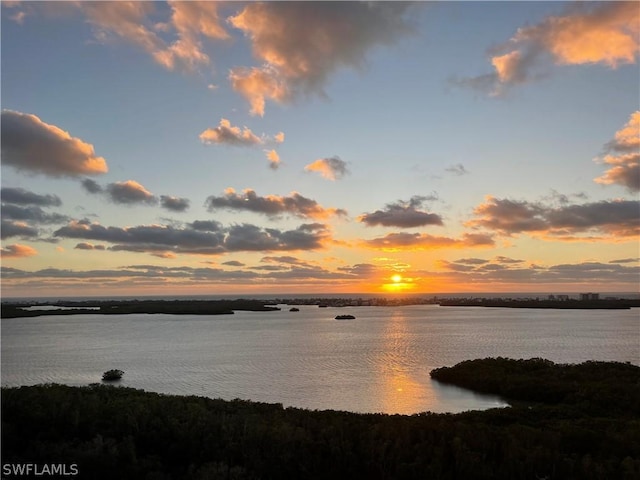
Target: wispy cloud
[31, 145]
[271, 205]
[403, 214]
[424, 241]
[498, 273]
[605, 33]
[458, 170]
[332, 168]
[624, 156]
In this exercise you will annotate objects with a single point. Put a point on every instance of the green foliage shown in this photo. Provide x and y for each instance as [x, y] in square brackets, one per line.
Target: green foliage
[115, 432]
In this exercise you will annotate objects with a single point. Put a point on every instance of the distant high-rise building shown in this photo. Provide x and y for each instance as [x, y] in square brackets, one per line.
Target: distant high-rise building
[589, 296]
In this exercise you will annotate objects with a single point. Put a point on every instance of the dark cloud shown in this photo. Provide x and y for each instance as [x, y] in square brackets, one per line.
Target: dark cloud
[626, 260]
[29, 144]
[423, 241]
[271, 205]
[207, 226]
[501, 259]
[164, 238]
[332, 168]
[31, 214]
[363, 270]
[587, 273]
[402, 214]
[89, 246]
[129, 193]
[174, 204]
[234, 263]
[457, 169]
[472, 261]
[248, 237]
[613, 217]
[20, 196]
[284, 259]
[17, 229]
[91, 186]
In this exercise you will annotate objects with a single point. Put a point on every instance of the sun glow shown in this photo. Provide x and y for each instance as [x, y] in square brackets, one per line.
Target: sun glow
[398, 283]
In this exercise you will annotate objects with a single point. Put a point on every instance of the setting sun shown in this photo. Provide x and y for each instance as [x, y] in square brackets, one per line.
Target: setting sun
[396, 278]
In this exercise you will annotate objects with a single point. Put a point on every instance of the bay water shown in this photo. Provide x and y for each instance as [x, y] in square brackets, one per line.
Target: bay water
[378, 362]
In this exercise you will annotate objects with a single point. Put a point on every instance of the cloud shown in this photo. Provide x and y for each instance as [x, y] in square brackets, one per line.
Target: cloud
[29, 144]
[587, 273]
[626, 260]
[624, 157]
[20, 196]
[175, 204]
[331, 168]
[302, 43]
[130, 21]
[31, 214]
[423, 241]
[129, 192]
[190, 20]
[89, 246]
[274, 159]
[165, 238]
[227, 134]
[188, 277]
[288, 259]
[234, 263]
[186, 24]
[271, 205]
[604, 33]
[402, 214]
[91, 186]
[457, 169]
[256, 84]
[18, 251]
[12, 228]
[617, 218]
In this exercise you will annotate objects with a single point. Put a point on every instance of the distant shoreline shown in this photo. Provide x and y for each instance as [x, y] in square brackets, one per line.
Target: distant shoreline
[227, 307]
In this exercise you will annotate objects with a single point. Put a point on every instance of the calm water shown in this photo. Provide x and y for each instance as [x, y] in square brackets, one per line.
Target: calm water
[379, 362]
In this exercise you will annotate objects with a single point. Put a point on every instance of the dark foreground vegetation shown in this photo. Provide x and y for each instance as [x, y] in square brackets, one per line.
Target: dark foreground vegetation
[567, 422]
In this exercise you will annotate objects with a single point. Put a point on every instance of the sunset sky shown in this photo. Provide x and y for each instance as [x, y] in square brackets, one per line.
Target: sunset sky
[343, 147]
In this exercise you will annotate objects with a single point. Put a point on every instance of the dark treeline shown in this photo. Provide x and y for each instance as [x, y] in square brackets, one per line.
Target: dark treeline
[120, 307]
[588, 429]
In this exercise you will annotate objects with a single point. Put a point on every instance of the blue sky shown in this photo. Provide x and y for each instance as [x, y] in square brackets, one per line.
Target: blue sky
[465, 146]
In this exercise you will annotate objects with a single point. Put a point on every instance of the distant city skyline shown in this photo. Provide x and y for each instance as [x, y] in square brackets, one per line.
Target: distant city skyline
[211, 148]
